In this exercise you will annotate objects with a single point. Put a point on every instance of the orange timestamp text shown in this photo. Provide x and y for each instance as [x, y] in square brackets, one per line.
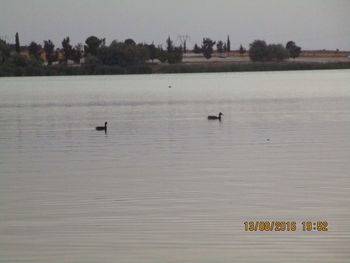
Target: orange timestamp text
[285, 226]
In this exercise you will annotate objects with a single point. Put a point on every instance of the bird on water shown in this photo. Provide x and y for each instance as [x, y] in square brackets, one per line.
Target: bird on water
[216, 117]
[102, 128]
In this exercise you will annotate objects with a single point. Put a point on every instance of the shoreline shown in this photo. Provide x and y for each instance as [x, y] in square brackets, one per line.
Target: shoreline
[251, 67]
[154, 68]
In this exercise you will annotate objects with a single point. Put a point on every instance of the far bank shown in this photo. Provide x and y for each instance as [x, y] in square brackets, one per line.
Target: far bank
[153, 68]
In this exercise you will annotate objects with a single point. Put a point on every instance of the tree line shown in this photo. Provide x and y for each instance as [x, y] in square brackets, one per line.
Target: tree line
[96, 53]
[260, 51]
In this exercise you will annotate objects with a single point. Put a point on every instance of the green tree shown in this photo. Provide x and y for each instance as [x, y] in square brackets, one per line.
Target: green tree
[258, 51]
[91, 60]
[197, 49]
[225, 47]
[18, 46]
[142, 53]
[4, 51]
[67, 49]
[294, 50]
[90, 63]
[123, 54]
[162, 55]
[207, 47]
[169, 43]
[152, 52]
[277, 52]
[175, 56]
[34, 50]
[77, 53]
[49, 48]
[19, 60]
[228, 44]
[92, 45]
[220, 46]
[242, 50]
[129, 41]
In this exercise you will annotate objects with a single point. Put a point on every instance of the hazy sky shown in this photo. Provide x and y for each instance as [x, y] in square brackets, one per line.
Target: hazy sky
[312, 24]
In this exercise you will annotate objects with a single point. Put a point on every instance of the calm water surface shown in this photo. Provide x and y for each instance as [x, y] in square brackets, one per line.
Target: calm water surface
[165, 184]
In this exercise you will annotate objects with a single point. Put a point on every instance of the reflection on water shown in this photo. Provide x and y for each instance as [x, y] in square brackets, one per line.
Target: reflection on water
[164, 184]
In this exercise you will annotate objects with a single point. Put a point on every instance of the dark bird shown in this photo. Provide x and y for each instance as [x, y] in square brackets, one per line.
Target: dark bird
[216, 117]
[102, 128]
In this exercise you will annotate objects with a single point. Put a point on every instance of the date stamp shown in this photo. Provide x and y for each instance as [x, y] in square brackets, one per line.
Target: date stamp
[285, 226]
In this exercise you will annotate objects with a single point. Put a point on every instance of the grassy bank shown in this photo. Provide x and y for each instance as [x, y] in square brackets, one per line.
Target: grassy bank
[62, 70]
[271, 66]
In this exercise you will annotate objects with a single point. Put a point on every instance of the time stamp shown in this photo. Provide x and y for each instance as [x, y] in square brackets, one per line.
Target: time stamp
[308, 226]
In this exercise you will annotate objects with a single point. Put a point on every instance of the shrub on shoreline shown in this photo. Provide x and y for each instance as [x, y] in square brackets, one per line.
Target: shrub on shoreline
[10, 70]
[271, 66]
[63, 70]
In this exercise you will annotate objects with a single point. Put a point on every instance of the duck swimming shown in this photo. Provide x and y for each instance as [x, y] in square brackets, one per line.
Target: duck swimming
[102, 128]
[216, 117]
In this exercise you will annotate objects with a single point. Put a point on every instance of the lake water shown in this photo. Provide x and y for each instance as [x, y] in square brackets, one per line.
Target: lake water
[165, 184]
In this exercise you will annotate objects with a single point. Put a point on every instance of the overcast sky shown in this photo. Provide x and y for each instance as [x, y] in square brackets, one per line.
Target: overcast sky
[312, 24]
